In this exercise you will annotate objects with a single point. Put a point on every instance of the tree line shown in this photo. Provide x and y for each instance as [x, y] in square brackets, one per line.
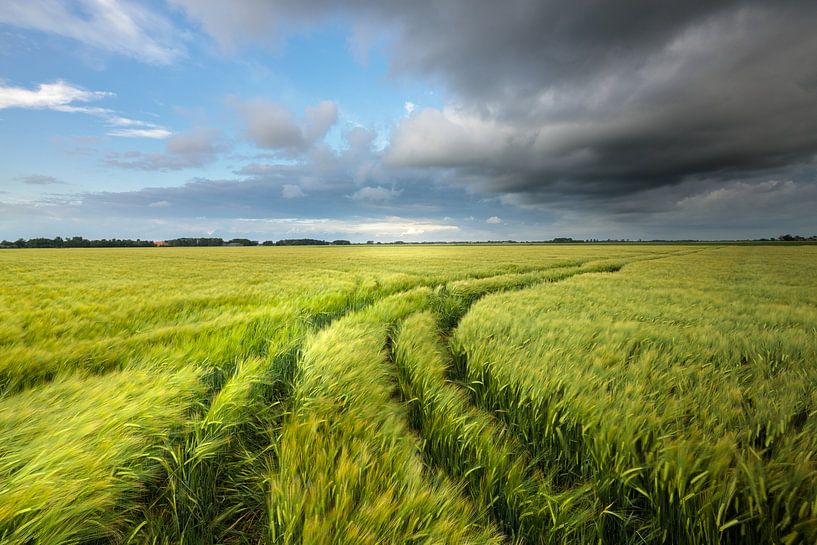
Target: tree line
[76, 242]
[81, 242]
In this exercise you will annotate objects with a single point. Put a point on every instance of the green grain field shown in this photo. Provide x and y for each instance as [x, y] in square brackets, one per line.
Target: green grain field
[546, 394]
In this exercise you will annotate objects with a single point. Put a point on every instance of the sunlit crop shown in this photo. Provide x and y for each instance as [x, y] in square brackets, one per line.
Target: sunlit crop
[440, 394]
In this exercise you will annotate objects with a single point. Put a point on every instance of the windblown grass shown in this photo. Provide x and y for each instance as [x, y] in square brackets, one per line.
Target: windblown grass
[473, 447]
[77, 455]
[686, 398]
[95, 310]
[602, 394]
[346, 470]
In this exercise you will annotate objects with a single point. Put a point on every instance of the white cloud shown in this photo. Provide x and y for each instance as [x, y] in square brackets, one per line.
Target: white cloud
[291, 191]
[58, 96]
[375, 194]
[159, 204]
[409, 107]
[450, 137]
[119, 26]
[119, 121]
[392, 226]
[494, 220]
[61, 96]
[141, 133]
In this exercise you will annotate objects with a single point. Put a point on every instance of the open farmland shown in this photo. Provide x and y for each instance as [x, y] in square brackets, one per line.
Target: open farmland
[570, 394]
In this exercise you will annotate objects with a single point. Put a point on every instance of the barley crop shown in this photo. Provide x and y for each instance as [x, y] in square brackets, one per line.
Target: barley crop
[560, 394]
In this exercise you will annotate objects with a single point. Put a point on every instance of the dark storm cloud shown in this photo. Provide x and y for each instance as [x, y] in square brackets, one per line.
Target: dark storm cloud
[612, 102]
[586, 100]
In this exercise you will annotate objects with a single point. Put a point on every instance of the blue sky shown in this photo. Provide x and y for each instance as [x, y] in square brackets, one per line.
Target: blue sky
[415, 122]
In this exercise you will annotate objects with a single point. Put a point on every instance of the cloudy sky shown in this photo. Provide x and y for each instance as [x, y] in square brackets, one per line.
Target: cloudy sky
[423, 120]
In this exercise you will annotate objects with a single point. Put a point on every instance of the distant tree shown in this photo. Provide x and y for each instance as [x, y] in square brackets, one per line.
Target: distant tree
[243, 242]
[341, 242]
[195, 242]
[301, 242]
[792, 238]
[40, 243]
[77, 242]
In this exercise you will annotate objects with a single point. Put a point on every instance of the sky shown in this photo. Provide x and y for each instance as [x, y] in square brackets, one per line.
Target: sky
[416, 121]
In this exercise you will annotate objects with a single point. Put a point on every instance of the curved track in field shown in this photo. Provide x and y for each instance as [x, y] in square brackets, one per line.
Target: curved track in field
[256, 419]
[358, 351]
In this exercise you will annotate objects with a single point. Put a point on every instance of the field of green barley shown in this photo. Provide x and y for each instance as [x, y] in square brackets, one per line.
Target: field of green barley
[510, 394]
